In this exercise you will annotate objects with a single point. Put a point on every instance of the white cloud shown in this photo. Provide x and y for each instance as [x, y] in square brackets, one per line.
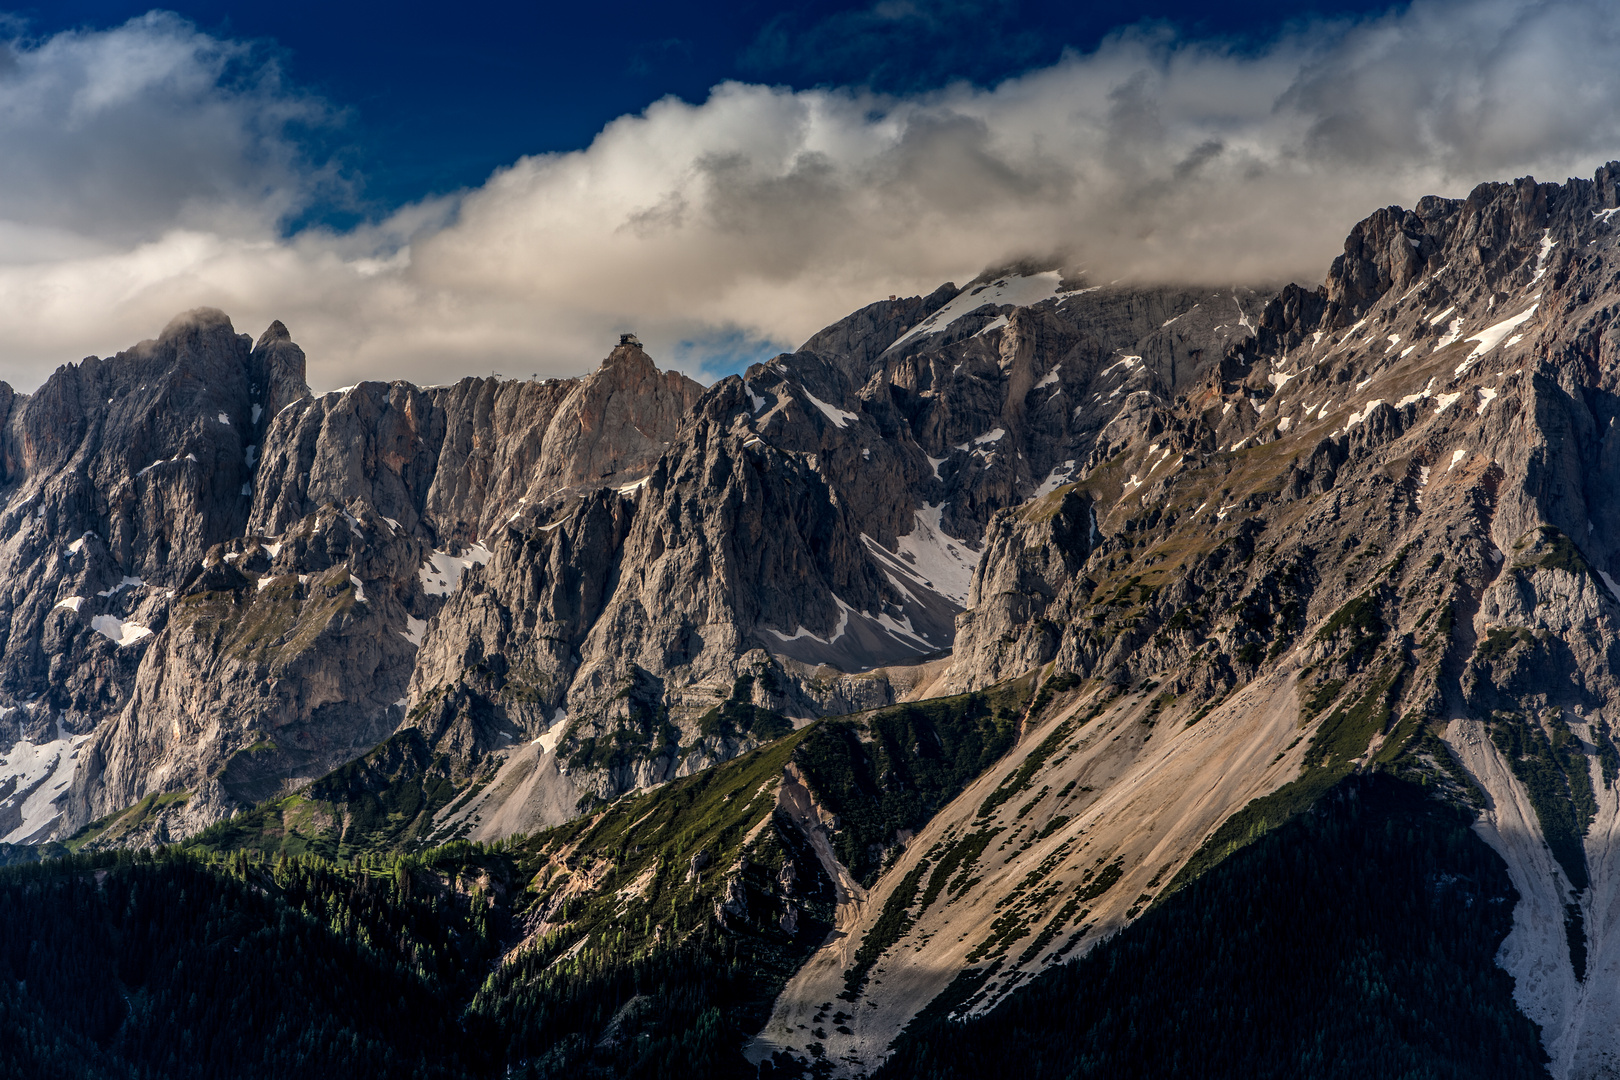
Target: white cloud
[760, 213]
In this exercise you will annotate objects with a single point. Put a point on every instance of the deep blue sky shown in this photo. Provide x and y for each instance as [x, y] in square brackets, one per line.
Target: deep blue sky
[436, 95]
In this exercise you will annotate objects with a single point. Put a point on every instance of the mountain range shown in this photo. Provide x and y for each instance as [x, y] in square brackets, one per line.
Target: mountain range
[899, 693]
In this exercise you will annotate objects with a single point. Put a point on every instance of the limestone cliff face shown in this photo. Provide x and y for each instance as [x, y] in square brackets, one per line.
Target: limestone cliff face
[573, 544]
[453, 462]
[129, 480]
[118, 476]
[1463, 338]
[276, 661]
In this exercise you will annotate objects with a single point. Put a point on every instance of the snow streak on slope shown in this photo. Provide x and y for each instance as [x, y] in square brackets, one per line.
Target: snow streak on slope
[1017, 291]
[441, 574]
[33, 777]
[1576, 1017]
[929, 558]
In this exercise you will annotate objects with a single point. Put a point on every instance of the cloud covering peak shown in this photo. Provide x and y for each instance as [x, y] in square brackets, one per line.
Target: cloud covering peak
[151, 169]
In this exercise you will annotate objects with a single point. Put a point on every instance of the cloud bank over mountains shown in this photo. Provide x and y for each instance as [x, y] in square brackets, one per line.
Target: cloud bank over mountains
[151, 168]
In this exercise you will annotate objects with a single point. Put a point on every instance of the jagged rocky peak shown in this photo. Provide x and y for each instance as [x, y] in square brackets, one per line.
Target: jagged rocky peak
[1429, 317]
[250, 617]
[1218, 551]
[812, 519]
[1495, 239]
[453, 462]
[277, 661]
[120, 474]
[855, 341]
[279, 368]
[617, 423]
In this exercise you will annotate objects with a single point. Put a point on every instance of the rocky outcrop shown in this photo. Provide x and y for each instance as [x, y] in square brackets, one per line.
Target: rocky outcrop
[623, 550]
[275, 663]
[202, 457]
[1031, 556]
[451, 463]
[509, 639]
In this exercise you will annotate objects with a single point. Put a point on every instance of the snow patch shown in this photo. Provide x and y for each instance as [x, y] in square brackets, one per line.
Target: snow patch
[72, 603]
[441, 574]
[928, 557]
[42, 773]
[1492, 335]
[550, 737]
[167, 461]
[1365, 411]
[1126, 362]
[800, 632]
[902, 628]
[1547, 245]
[840, 417]
[1419, 396]
[1486, 396]
[258, 411]
[359, 589]
[127, 583]
[1013, 291]
[224, 419]
[1453, 332]
[415, 630]
[1059, 476]
[119, 631]
[1614, 590]
[1456, 456]
[757, 401]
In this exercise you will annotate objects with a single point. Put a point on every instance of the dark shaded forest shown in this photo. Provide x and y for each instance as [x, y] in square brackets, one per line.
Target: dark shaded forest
[167, 965]
[1357, 940]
